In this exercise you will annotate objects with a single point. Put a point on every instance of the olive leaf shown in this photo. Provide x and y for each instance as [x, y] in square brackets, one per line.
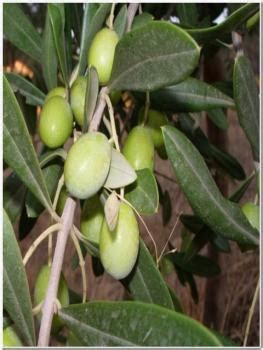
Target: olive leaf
[111, 211]
[218, 117]
[91, 96]
[14, 193]
[121, 172]
[120, 22]
[167, 55]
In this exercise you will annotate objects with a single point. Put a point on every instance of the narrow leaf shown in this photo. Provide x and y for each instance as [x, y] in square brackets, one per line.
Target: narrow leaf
[247, 101]
[120, 22]
[91, 96]
[188, 14]
[19, 152]
[51, 155]
[132, 324]
[14, 193]
[142, 19]
[237, 195]
[146, 283]
[218, 117]
[167, 56]
[143, 194]
[111, 210]
[33, 95]
[221, 215]
[121, 173]
[16, 295]
[19, 31]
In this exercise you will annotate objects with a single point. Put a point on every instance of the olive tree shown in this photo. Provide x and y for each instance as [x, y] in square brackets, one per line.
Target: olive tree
[85, 58]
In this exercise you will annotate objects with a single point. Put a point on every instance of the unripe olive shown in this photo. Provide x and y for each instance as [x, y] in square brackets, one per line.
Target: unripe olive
[63, 196]
[139, 149]
[91, 219]
[41, 289]
[119, 248]
[55, 125]
[87, 165]
[115, 97]
[77, 99]
[10, 338]
[251, 212]
[58, 91]
[155, 120]
[101, 53]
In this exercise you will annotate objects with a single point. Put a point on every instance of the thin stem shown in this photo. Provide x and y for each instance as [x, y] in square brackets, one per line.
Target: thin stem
[39, 239]
[50, 299]
[81, 264]
[132, 9]
[106, 122]
[111, 17]
[251, 312]
[95, 121]
[146, 108]
[112, 121]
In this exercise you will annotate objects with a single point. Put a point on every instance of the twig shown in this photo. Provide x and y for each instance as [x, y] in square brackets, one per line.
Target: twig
[250, 314]
[132, 9]
[95, 121]
[112, 123]
[48, 306]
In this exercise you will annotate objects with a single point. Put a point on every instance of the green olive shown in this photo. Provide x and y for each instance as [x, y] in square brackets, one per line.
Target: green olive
[155, 120]
[63, 196]
[139, 149]
[119, 248]
[58, 91]
[77, 99]
[101, 53]
[115, 97]
[87, 165]
[41, 289]
[56, 121]
[10, 338]
[91, 219]
[251, 212]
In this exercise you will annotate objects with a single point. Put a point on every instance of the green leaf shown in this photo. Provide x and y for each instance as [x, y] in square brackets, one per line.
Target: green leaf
[222, 216]
[19, 152]
[120, 22]
[33, 95]
[56, 14]
[14, 193]
[94, 17]
[191, 95]
[91, 96]
[199, 265]
[51, 155]
[203, 35]
[152, 56]
[20, 31]
[26, 224]
[49, 56]
[188, 14]
[218, 117]
[238, 194]
[121, 173]
[226, 341]
[16, 295]
[186, 277]
[143, 194]
[176, 301]
[145, 283]
[247, 101]
[132, 324]
[142, 19]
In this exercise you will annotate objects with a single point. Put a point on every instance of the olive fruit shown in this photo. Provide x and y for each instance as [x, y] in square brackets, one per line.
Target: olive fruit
[138, 148]
[251, 212]
[91, 219]
[58, 91]
[155, 120]
[10, 338]
[119, 248]
[41, 289]
[77, 99]
[56, 121]
[63, 196]
[101, 53]
[87, 165]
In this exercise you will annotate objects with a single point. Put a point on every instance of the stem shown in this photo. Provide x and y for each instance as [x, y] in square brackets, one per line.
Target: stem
[250, 314]
[112, 121]
[146, 108]
[48, 306]
[95, 121]
[132, 9]
[111, 18]
[39, 239]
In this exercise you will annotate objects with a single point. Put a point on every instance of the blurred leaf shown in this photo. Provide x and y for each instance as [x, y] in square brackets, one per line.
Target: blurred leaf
[56, 13]
[186, 277]
[19, 152]
[166, 207]
[120, 22]
[145, 282]
[68, 8]
[143, 194]
[238, 194]
[191, 95]
[33, 95]
[19, 31]
[218, 117]
[77, 20]
[221, 244]
[75, 258]
[14, 193]
[247, 101]
[93, 19]
[176, 301]
[188, 14]
[167, 55]
[221, 215]
[203, 35]
[97, 266]
[49, 56]
[253, 21]
[74, 298]
[142, 19]
[91, 96]
[127, 323]
[16, 295]
[121, 172]
[224, 86]
[26, 224]
[192, 222]
[226, 341]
